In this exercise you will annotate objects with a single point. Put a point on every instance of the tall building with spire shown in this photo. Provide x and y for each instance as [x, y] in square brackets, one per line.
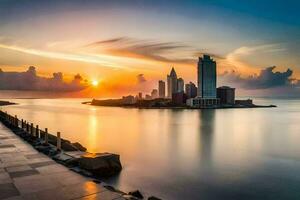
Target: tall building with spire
[172, 83]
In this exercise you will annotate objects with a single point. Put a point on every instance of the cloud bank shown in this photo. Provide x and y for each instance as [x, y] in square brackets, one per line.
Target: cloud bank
[267, 78]
[29, 80]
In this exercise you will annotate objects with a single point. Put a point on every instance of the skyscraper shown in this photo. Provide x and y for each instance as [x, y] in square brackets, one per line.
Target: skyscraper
[180, 85]
[207, 77]
[161, 89]
[190, 90]
[207, 81]
[172, 83]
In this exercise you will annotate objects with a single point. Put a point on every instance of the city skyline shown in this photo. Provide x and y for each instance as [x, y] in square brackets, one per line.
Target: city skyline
[111, 44]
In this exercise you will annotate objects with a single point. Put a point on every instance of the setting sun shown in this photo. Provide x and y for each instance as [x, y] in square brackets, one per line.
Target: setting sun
[95, 83]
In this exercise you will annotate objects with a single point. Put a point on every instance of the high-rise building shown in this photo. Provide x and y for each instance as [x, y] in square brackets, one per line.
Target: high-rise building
[161, 89]
[172, 83]
[207, 77]
[154, 94]
[226, 95]
[190, 90]
[180, 85]
[207, 81]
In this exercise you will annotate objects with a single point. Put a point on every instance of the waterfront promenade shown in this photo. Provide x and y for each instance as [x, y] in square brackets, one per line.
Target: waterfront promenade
[27, 174]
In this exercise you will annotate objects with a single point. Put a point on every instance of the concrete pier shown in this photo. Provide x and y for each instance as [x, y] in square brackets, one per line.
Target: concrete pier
[27, 174]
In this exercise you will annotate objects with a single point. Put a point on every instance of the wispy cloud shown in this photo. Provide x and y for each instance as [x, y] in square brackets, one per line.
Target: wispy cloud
[103, 60]
[238, 59]
[143, 49]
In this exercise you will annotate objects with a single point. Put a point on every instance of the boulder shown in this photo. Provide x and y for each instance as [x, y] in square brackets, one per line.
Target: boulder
[136, 194]
[79, 146]
[67, 146]
[101, 164]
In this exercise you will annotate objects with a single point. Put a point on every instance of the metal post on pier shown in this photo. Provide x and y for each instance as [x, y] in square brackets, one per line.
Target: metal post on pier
[46, 135]
[16, 121]
[58, 144]
[37, 132]
[27, 127]
[31, 129]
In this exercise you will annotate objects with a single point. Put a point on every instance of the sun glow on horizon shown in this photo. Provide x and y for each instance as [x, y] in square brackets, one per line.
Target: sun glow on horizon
[95, 83]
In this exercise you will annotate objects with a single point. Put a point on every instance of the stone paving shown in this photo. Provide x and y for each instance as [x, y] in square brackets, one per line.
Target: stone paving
[27, 174]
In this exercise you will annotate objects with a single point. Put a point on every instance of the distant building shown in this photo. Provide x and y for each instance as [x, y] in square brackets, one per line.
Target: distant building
[226, 95]
[172, 83]
[190, 90]
[148, 97]
[180, 85]
[154, 94]
[179, 98]
[207, 77]
[128, 99]
[161, 89]
[140, 96]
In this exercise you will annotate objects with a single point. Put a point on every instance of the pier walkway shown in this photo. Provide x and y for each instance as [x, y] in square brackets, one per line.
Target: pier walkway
[27, 174]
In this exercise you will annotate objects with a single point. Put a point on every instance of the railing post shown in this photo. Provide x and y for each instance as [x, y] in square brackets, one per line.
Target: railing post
[58, 144]
[16, 121]
[46, 135]
[37, 132]
[22, 123]
[31, 129]
[27, 127]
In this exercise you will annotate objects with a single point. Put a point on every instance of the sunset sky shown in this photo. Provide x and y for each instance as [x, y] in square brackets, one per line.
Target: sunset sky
[129, 45]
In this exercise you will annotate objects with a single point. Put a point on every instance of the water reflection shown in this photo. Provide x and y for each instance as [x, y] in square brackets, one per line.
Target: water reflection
[92, 135]
[206, 134]
[185, 154]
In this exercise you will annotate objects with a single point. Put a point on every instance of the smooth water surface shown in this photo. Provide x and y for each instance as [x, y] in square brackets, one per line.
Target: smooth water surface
[186, 154]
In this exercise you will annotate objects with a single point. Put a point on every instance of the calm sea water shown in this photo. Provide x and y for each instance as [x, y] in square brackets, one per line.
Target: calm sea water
[186, 154]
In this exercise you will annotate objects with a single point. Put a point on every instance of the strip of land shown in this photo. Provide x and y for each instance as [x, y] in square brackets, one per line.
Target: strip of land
[6, 103]
[165, 104]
